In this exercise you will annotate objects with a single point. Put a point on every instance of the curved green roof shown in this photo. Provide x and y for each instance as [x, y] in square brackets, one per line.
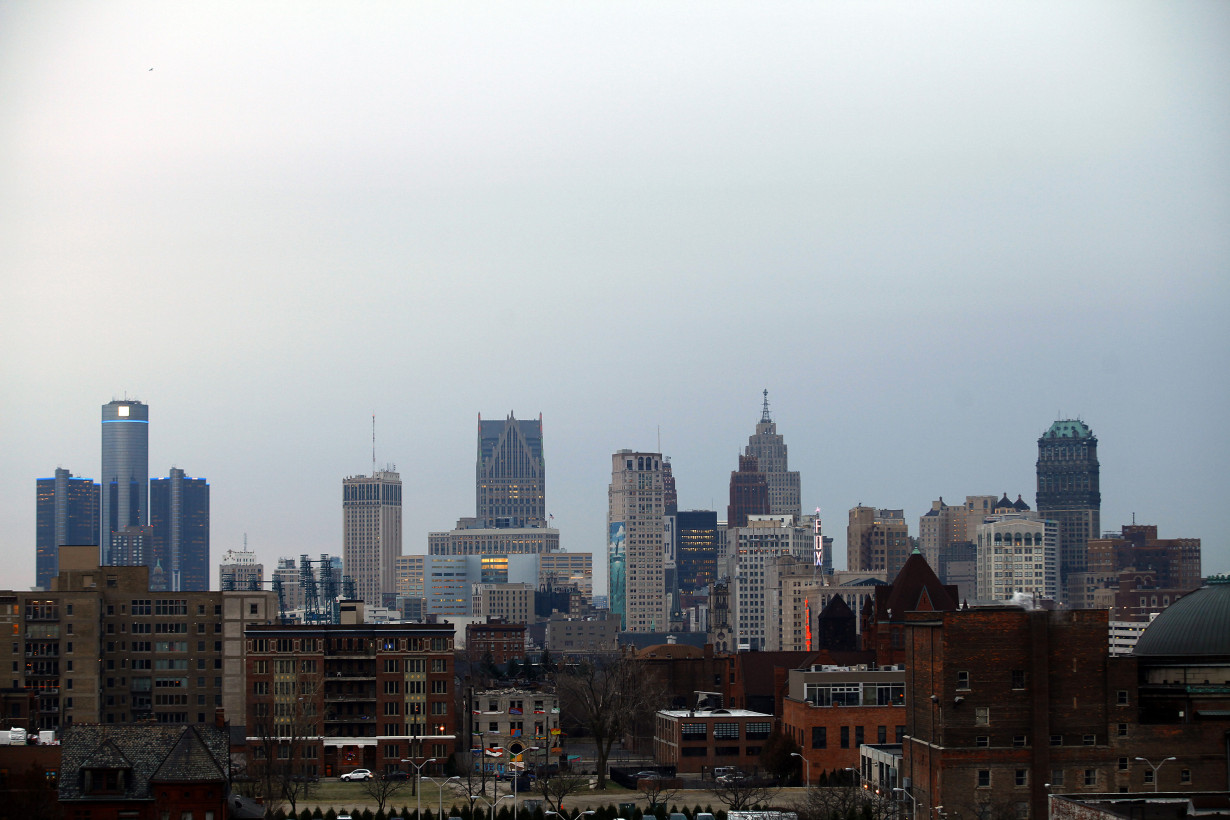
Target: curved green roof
[1068, 428]
[1195, 626]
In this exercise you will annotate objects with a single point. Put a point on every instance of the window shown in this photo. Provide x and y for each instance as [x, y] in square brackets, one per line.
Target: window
[982, 715]
[984, 778]
[1122, 730]
[693, 731]
[845, 737]
[858, 736]
[1123, 764]
[1018, 678]
[1056, 740]
[1022, 777]
[1122, 698]
[725, 731]
[1091, 777]
[819, 737]
[963, 680]
[1148, 775]
[1089, 740]
[757, 731]
[982, 740]
[1185, 775]
[881, 734]
[1056, 777]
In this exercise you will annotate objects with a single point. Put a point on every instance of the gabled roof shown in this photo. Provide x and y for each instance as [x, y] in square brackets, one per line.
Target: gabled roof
[190, 761]
[836, 608]
[915, 589]
[172, 753]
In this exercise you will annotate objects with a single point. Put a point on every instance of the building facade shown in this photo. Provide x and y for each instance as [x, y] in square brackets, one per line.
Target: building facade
[510, 476]
[514, 728]
[371, 533]
[831, 711]
[698, 740]
[876, 540]
[1069, 490]
[635, 509]
[749, 493]
[350, 695]
[124, 482]
[179, 517]
[66, 514]
[1017, 553]
[696, 539]
[101, 647]
[239, 570]
[769, 450]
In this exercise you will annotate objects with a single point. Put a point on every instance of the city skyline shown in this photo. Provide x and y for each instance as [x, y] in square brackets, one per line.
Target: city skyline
[928, 231]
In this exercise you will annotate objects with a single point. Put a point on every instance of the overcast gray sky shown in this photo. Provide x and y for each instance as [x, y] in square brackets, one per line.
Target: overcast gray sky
[928, 229]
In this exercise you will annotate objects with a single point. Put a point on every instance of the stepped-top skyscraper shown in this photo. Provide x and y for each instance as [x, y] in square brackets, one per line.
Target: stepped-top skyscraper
[179, 518]
[66, 514]
[511, 474]
[371, 533]
[1068, 490]
[769, 448]
[125, 469]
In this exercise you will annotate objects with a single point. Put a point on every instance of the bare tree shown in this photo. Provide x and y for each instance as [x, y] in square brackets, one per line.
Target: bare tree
[657, 790]
[380, 788]
[840, 802]
[607, 697]
[555, 789]
[741, 793]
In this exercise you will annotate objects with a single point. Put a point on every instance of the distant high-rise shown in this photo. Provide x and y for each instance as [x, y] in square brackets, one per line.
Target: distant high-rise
[877, 540]
[179, 517]
[66, 514]
[239, 570]
[1068, 491]
[371, 533]
[510, 480]
[637, 574]
[769, 448]
[670, 494]
[749, 493]
[696, 535]
[125, 470]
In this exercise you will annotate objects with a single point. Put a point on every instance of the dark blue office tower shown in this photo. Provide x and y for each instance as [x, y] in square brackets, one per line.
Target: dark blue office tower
[179, 518]
[66, 514]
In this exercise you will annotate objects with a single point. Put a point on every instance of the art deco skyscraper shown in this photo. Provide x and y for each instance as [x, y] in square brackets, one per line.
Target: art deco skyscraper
[635, 550]
[179, 517]
[66, 514]
[125, 470]
[1068, 490]
[371, 533]
[510, 480]
[769, 449]
[749, 493]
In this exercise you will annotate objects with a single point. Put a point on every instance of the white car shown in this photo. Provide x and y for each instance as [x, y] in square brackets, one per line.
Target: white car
[358, 774]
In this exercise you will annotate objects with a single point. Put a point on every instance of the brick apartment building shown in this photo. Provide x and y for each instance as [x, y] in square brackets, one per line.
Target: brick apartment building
[350, 695]
[1004, 703]
[100, 647]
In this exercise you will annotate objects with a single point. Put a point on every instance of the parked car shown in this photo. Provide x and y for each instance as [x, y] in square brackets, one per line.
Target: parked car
[358, 774]
[398, 775]
[648, 775]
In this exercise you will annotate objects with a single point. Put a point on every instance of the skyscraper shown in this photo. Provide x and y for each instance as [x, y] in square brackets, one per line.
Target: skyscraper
[769, 448]
[510, 477]
[179, 517]
[371, 533]
[125, 469]
[239, 570]
[877, 540]
[1068, 491]
[635, 507]
[66, 514]
[749, 493]
[696, 554]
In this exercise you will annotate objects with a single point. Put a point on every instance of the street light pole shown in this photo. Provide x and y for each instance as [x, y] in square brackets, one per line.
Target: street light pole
[1155, 768]
[418, 779]
[913, 800]
[440, 790]
[806, 763]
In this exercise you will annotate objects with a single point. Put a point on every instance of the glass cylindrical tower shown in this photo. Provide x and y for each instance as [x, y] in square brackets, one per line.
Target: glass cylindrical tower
[125, 469]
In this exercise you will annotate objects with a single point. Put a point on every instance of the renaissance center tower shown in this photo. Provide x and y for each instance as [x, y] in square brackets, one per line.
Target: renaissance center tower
[125, 469]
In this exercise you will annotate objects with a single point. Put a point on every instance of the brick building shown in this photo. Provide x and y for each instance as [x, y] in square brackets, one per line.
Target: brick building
[1002, 702]
[513, 727]
[503, 641]
[915, 588]
[695, 741]
[831, 711]
[350, 695]
[100, 647]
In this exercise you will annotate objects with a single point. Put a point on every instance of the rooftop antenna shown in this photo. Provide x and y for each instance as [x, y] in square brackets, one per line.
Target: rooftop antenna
[764, 414]
[373, 444]
[245, 542]
[659, 438]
